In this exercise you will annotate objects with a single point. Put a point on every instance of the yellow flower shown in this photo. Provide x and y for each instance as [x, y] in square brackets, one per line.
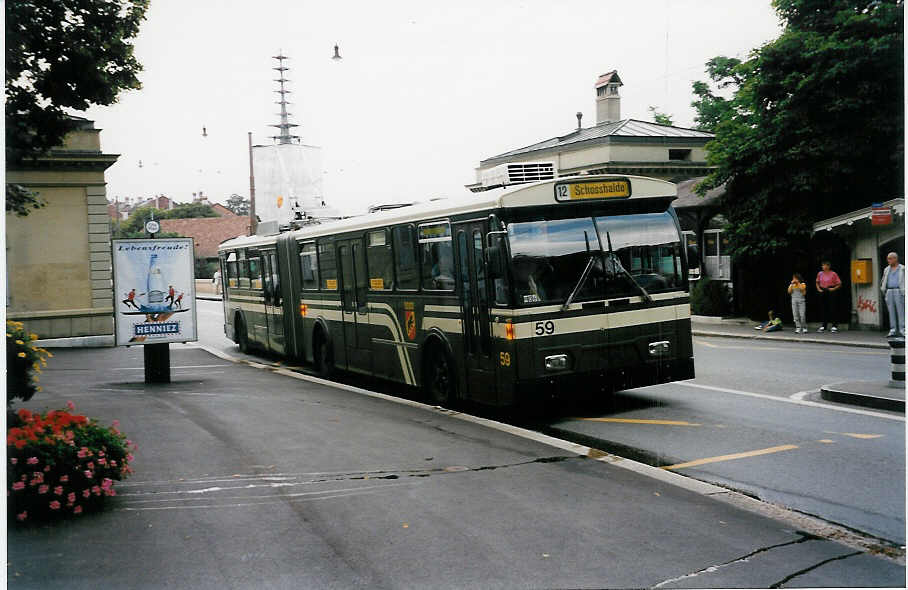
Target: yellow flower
[33, 336]
[49, 354]
[8, 335]
[20, 343]
[38, 388]
[22, 355]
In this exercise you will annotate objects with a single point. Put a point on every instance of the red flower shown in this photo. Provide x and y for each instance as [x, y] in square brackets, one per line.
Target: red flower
[54, 505]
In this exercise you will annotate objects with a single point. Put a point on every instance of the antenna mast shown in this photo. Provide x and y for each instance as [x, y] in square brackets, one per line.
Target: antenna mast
[285, 125]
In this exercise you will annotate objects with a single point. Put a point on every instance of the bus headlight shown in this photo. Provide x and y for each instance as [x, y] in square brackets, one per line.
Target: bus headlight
[556, 362]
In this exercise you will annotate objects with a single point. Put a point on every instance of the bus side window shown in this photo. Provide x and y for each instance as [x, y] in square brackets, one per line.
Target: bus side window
[497, 269]
[437, 256]
[275, 279]
[243, 268]
[255, 273]
[405, 258]
[232, 271]
[327, 265]
[266, 276]
[309, 266]
[379, 261]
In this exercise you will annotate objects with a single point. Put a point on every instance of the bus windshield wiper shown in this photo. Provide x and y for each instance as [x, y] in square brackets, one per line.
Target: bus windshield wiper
[616, 261]
[580, 282]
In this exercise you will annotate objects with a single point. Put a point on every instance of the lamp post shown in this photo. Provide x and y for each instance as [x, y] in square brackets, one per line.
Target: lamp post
[253, 224]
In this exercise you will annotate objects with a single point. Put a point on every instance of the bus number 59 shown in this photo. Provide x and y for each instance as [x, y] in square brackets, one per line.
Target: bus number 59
[543, 328]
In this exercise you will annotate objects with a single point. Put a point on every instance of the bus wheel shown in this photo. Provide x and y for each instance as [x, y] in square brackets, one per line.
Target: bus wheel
[242, 338]
[440, 379]
[321, 353]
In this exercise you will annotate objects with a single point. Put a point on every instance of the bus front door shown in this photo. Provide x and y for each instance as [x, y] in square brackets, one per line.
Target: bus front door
[474, 301]
[355, 306]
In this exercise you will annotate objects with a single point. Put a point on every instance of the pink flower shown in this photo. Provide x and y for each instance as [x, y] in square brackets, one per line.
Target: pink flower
[13, 460]
[19, 485]
[32, 461]
[116, 423]
[96, 490]
[87, 474]
[113, 463]
[86, 493]
[22, 515]
[77, 510]
[106, 484]
[82, 453]
[54, 505]
[58, 490]
[64, 478]
[91, 465]
[129, 457]
[111, 492]
[71, 497]
[46, 468]
[71, 406]
[42, 489]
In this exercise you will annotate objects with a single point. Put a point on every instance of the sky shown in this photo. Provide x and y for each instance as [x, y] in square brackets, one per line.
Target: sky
[425, 90]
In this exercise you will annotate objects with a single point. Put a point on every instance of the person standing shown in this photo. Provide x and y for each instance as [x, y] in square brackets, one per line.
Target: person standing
[828, 284]
[797, 288]
[893, 287]
[216, 279]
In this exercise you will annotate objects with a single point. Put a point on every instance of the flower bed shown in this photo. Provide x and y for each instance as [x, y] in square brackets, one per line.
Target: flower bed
[62, 464]
[23, 363]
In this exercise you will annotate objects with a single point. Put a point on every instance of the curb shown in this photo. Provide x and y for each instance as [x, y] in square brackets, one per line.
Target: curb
[833, 394]
[208, 297]
[852, 343]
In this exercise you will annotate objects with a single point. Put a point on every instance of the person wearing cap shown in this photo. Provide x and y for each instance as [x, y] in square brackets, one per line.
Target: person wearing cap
[893, 287]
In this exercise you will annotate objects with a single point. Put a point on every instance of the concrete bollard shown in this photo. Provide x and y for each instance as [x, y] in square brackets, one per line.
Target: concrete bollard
[897, 358]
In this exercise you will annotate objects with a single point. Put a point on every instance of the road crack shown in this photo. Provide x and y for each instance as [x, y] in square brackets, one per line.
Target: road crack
[804, 537]
[780, 583]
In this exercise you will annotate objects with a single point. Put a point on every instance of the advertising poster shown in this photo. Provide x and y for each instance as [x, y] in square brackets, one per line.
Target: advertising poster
[154, 291]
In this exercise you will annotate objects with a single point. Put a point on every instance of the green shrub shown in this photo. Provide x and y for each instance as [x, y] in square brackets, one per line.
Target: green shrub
[62, 464]
[710, 298]
[23, 363]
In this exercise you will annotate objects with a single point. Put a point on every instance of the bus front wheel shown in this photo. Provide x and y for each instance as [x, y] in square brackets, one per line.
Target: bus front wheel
[242, 338]
[440, 379]
[321, 353]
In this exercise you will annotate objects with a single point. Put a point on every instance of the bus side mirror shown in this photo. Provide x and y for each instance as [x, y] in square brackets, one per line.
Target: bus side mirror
[693, 256]
[496, 268]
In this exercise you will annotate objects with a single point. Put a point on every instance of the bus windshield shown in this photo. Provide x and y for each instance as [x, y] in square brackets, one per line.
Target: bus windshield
[627, 255]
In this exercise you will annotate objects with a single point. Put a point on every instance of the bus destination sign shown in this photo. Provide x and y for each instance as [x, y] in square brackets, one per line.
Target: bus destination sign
[601, 189]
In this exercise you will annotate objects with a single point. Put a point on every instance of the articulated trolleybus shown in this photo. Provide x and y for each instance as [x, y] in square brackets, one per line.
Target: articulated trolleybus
[570, 284]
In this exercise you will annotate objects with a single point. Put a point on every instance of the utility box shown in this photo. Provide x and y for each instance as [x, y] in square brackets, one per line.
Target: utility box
[861, 271]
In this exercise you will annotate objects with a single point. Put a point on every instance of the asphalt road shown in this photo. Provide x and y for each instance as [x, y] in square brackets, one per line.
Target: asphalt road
[247, 477]
[751, 421]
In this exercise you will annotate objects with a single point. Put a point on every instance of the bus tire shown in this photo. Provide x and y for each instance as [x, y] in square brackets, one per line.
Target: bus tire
[322, 356]
[440, 379]
[242, 337]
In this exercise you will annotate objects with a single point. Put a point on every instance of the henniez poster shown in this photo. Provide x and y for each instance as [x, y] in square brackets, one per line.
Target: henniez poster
[154, 291]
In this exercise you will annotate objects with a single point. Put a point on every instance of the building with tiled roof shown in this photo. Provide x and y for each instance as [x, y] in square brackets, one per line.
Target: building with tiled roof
[208, 232]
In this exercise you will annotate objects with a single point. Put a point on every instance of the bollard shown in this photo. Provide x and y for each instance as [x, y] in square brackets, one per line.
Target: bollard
[897, 358]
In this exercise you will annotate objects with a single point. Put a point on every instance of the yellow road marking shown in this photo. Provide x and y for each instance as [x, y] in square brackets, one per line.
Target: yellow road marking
[826, 440]
[731, 457]
[641, 421]
[864, 436]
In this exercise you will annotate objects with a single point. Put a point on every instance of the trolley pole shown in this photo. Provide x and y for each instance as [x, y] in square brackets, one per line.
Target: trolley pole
[157, 356]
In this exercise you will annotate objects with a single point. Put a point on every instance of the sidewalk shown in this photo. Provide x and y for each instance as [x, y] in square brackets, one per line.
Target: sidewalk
[870, 394]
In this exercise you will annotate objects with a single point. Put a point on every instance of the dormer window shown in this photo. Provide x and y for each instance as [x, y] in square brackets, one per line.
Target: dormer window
[600, 91]
[613, 89]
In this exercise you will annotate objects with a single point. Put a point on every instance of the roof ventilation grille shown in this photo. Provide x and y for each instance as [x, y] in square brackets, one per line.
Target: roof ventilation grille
[518, 173]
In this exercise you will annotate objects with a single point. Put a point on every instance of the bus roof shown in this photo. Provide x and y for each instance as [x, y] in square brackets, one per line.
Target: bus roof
[525, 195]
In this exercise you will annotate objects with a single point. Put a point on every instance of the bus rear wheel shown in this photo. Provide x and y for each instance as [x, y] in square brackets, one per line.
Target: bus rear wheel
[440, 380]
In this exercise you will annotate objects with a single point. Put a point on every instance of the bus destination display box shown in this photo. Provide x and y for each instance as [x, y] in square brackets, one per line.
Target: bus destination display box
[154, 291]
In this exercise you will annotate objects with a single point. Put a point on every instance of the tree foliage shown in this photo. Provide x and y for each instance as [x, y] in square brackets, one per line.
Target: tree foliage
[814, 125]
[660, 117]
[134, 226]
[62, 55]
[238, 204]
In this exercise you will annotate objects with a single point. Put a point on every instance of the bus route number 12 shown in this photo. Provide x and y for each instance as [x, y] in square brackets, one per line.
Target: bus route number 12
[544, 328]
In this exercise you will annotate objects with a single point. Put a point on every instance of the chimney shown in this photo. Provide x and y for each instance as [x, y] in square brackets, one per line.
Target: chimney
[579, 117]
[608, 101]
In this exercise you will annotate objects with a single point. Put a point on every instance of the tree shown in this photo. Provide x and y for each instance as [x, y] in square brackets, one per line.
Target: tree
[238, 204]
[661, 118]
[134, 226]
[62, 55]
[815, 124]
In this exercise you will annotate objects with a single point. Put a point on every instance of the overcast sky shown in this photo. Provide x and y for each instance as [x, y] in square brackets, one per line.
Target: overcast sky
[424, 91]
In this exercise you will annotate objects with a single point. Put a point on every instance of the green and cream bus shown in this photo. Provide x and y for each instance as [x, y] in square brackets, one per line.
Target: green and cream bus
[570, 284]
